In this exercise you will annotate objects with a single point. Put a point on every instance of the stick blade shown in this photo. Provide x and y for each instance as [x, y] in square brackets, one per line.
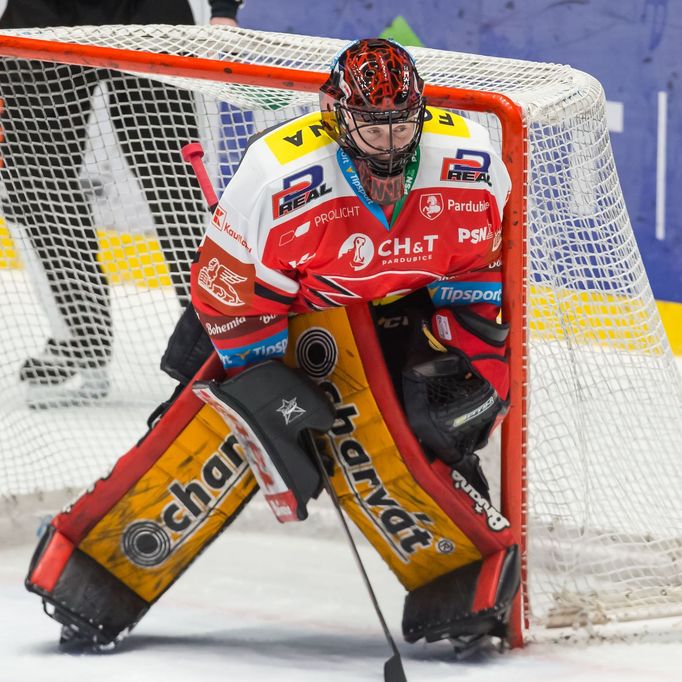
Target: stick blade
[393, 670]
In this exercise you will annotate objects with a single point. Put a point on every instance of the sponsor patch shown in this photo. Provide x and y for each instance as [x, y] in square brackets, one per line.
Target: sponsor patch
[466, 293]
[275, 345]
[299, 231]
[220, 222]
[358, 249]
[219, 281]
[219, 217]
[407, 249]
[470, 206]
[407, 531]
[238, 326]
[290, 410]
[291, 141]
[496, 521]
[337, 213]
[445, 546]
[445, 122]
[431, 205]
[149, 542]
[497, 240]
[468, 165]
[317, 352]
[443, 326]
[226, 279]
[298, 190]
[474, 236]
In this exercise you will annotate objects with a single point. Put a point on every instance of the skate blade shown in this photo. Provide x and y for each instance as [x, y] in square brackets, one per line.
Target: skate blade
[475, 646]
[72, 641]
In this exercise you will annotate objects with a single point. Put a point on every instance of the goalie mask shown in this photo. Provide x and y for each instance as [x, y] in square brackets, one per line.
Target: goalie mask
[372, 104]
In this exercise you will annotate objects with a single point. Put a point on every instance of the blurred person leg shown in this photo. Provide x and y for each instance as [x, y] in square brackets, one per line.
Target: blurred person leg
[45, 133]
[153, 122]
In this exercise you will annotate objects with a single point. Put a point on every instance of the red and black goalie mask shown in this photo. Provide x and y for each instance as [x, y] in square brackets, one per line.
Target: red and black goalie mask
[372, 104]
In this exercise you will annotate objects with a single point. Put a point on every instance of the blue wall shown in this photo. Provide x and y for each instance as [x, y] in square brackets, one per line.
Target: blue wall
[634, 47]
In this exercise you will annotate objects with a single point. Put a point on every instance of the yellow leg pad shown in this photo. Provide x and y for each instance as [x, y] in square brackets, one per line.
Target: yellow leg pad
[189, 495]
[411, 532]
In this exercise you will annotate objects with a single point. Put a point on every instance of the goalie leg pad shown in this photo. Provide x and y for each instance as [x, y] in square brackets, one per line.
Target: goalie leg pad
[81, 594]
[472, 601]
[124, 542]
[422, 521]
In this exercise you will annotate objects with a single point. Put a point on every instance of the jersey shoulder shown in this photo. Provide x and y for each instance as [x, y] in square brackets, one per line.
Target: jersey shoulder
[443, 127]
[291, 144]
[276, 157]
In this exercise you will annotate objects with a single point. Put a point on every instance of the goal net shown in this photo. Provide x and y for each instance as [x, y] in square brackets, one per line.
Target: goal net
[101, 219]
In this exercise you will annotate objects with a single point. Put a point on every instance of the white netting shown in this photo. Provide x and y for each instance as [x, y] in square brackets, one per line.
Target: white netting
[605, 434]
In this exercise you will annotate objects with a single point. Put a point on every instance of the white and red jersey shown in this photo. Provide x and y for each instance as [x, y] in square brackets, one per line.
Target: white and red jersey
[295, 231]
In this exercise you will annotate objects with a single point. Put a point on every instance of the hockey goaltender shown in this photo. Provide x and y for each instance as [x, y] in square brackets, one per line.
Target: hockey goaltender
[345, 329]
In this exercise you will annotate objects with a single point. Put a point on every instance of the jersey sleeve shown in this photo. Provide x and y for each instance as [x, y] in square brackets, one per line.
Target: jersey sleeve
[242, 304]
[486, 283]
[479, 289]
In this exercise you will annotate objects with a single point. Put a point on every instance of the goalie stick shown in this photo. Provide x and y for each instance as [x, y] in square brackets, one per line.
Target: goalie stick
[393, 668]
[193, 154]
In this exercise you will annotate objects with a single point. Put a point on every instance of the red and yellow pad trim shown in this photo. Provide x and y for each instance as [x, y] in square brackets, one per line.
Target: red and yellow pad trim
[162, 523]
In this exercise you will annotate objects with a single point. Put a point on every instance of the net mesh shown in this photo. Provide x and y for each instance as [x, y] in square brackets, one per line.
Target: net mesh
[101, 219]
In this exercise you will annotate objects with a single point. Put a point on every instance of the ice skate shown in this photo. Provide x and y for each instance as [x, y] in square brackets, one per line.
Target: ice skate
[66, 375]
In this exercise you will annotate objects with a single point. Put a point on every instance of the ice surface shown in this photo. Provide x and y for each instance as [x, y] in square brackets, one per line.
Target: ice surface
[270, 602]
